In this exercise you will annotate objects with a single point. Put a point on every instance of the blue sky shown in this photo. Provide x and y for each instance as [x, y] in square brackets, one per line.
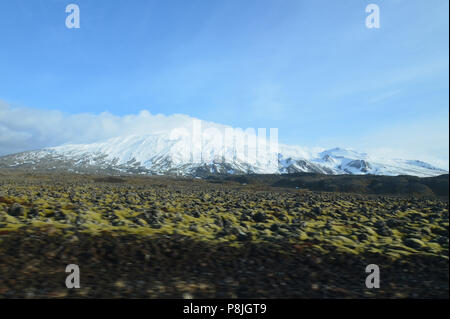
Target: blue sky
[310, 68]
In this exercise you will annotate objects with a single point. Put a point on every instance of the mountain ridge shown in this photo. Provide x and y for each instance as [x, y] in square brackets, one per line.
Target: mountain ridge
[162, 153]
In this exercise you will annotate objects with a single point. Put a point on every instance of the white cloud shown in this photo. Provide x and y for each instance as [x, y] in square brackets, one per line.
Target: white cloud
[384, 96]
[23, 128]
[389, 80]
[426, 140]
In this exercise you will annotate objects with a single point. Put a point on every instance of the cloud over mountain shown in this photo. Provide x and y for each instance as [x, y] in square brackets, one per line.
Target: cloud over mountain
[24, 128]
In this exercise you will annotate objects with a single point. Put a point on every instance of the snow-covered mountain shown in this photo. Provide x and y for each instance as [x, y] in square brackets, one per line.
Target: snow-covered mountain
[185, 152]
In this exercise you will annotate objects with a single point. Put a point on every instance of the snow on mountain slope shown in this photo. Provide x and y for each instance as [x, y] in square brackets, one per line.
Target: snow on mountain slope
[183, 153]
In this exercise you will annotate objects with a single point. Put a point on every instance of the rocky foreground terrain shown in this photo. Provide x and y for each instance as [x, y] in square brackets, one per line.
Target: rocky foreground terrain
[159, 237]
